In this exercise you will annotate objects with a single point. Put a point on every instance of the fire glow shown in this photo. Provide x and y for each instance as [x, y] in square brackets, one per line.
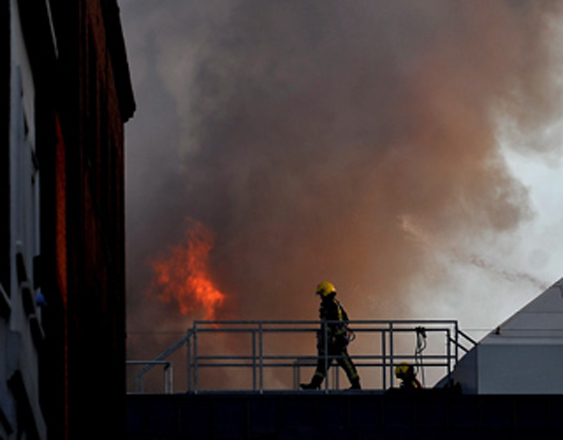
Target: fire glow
[182, 277]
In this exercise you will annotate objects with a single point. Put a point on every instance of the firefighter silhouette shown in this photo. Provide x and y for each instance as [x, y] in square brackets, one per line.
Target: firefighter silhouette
[406, 374]
[334, 326]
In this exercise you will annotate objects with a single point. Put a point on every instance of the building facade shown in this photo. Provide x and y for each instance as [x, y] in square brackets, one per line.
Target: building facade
[62, 263]
[523, 355]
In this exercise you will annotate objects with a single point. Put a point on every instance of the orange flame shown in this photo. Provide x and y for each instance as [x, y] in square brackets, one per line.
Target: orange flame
[182, 277]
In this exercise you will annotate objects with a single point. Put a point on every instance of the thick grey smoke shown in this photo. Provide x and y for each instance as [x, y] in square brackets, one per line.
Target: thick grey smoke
[302, 133]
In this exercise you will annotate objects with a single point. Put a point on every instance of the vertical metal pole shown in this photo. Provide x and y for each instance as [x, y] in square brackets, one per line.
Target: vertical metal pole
[189, 359]
[456, 347]
[171, 385]
[325, 342]
[336, 378]
[168, 378]
[253, 359]
[165, 377]
[139, 384]
[449, 352]
[195, 358]
[391, 353]
[261, 354]
[384, 358]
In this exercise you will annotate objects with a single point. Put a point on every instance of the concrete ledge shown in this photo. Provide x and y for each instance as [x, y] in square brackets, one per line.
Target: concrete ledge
[431, 414]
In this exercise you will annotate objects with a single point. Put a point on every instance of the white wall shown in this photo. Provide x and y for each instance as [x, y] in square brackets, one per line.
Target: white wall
[520, 369]
[18, 344]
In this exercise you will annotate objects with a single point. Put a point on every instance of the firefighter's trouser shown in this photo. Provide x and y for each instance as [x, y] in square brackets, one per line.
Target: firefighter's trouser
[338, 352]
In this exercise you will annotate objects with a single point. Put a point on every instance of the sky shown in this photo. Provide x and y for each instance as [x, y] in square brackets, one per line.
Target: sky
[407, 151]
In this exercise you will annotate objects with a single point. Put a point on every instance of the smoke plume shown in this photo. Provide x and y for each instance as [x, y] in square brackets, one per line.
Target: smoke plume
[302, 133]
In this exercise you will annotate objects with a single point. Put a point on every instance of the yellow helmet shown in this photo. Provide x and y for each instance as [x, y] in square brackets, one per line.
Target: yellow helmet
[403, 369]
[325, 289]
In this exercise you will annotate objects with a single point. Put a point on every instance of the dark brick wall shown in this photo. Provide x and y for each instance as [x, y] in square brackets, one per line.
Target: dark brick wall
[82, 220]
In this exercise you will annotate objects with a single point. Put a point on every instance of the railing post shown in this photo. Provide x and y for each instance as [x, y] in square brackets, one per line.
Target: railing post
[449, 351]
[253, 359]
[456, 347]
[391, 353]
[189, 359]
[140, 384]
[337, 373]
[261, 354]
[195, 358]
[168, 378]
[325, 343]
[384, 358]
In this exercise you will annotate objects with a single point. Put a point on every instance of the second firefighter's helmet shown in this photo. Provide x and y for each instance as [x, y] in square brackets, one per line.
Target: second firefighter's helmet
[326, 289]
[404, 369]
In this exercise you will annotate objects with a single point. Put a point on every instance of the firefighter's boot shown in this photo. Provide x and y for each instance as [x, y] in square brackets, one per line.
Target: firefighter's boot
[355, 384]
[315, 383]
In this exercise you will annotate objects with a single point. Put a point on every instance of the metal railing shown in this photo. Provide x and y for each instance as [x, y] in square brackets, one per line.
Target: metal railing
[147, 365]
[271, 346]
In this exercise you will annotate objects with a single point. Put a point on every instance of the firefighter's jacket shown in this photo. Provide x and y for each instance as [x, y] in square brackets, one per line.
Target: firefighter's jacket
[337, 331]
